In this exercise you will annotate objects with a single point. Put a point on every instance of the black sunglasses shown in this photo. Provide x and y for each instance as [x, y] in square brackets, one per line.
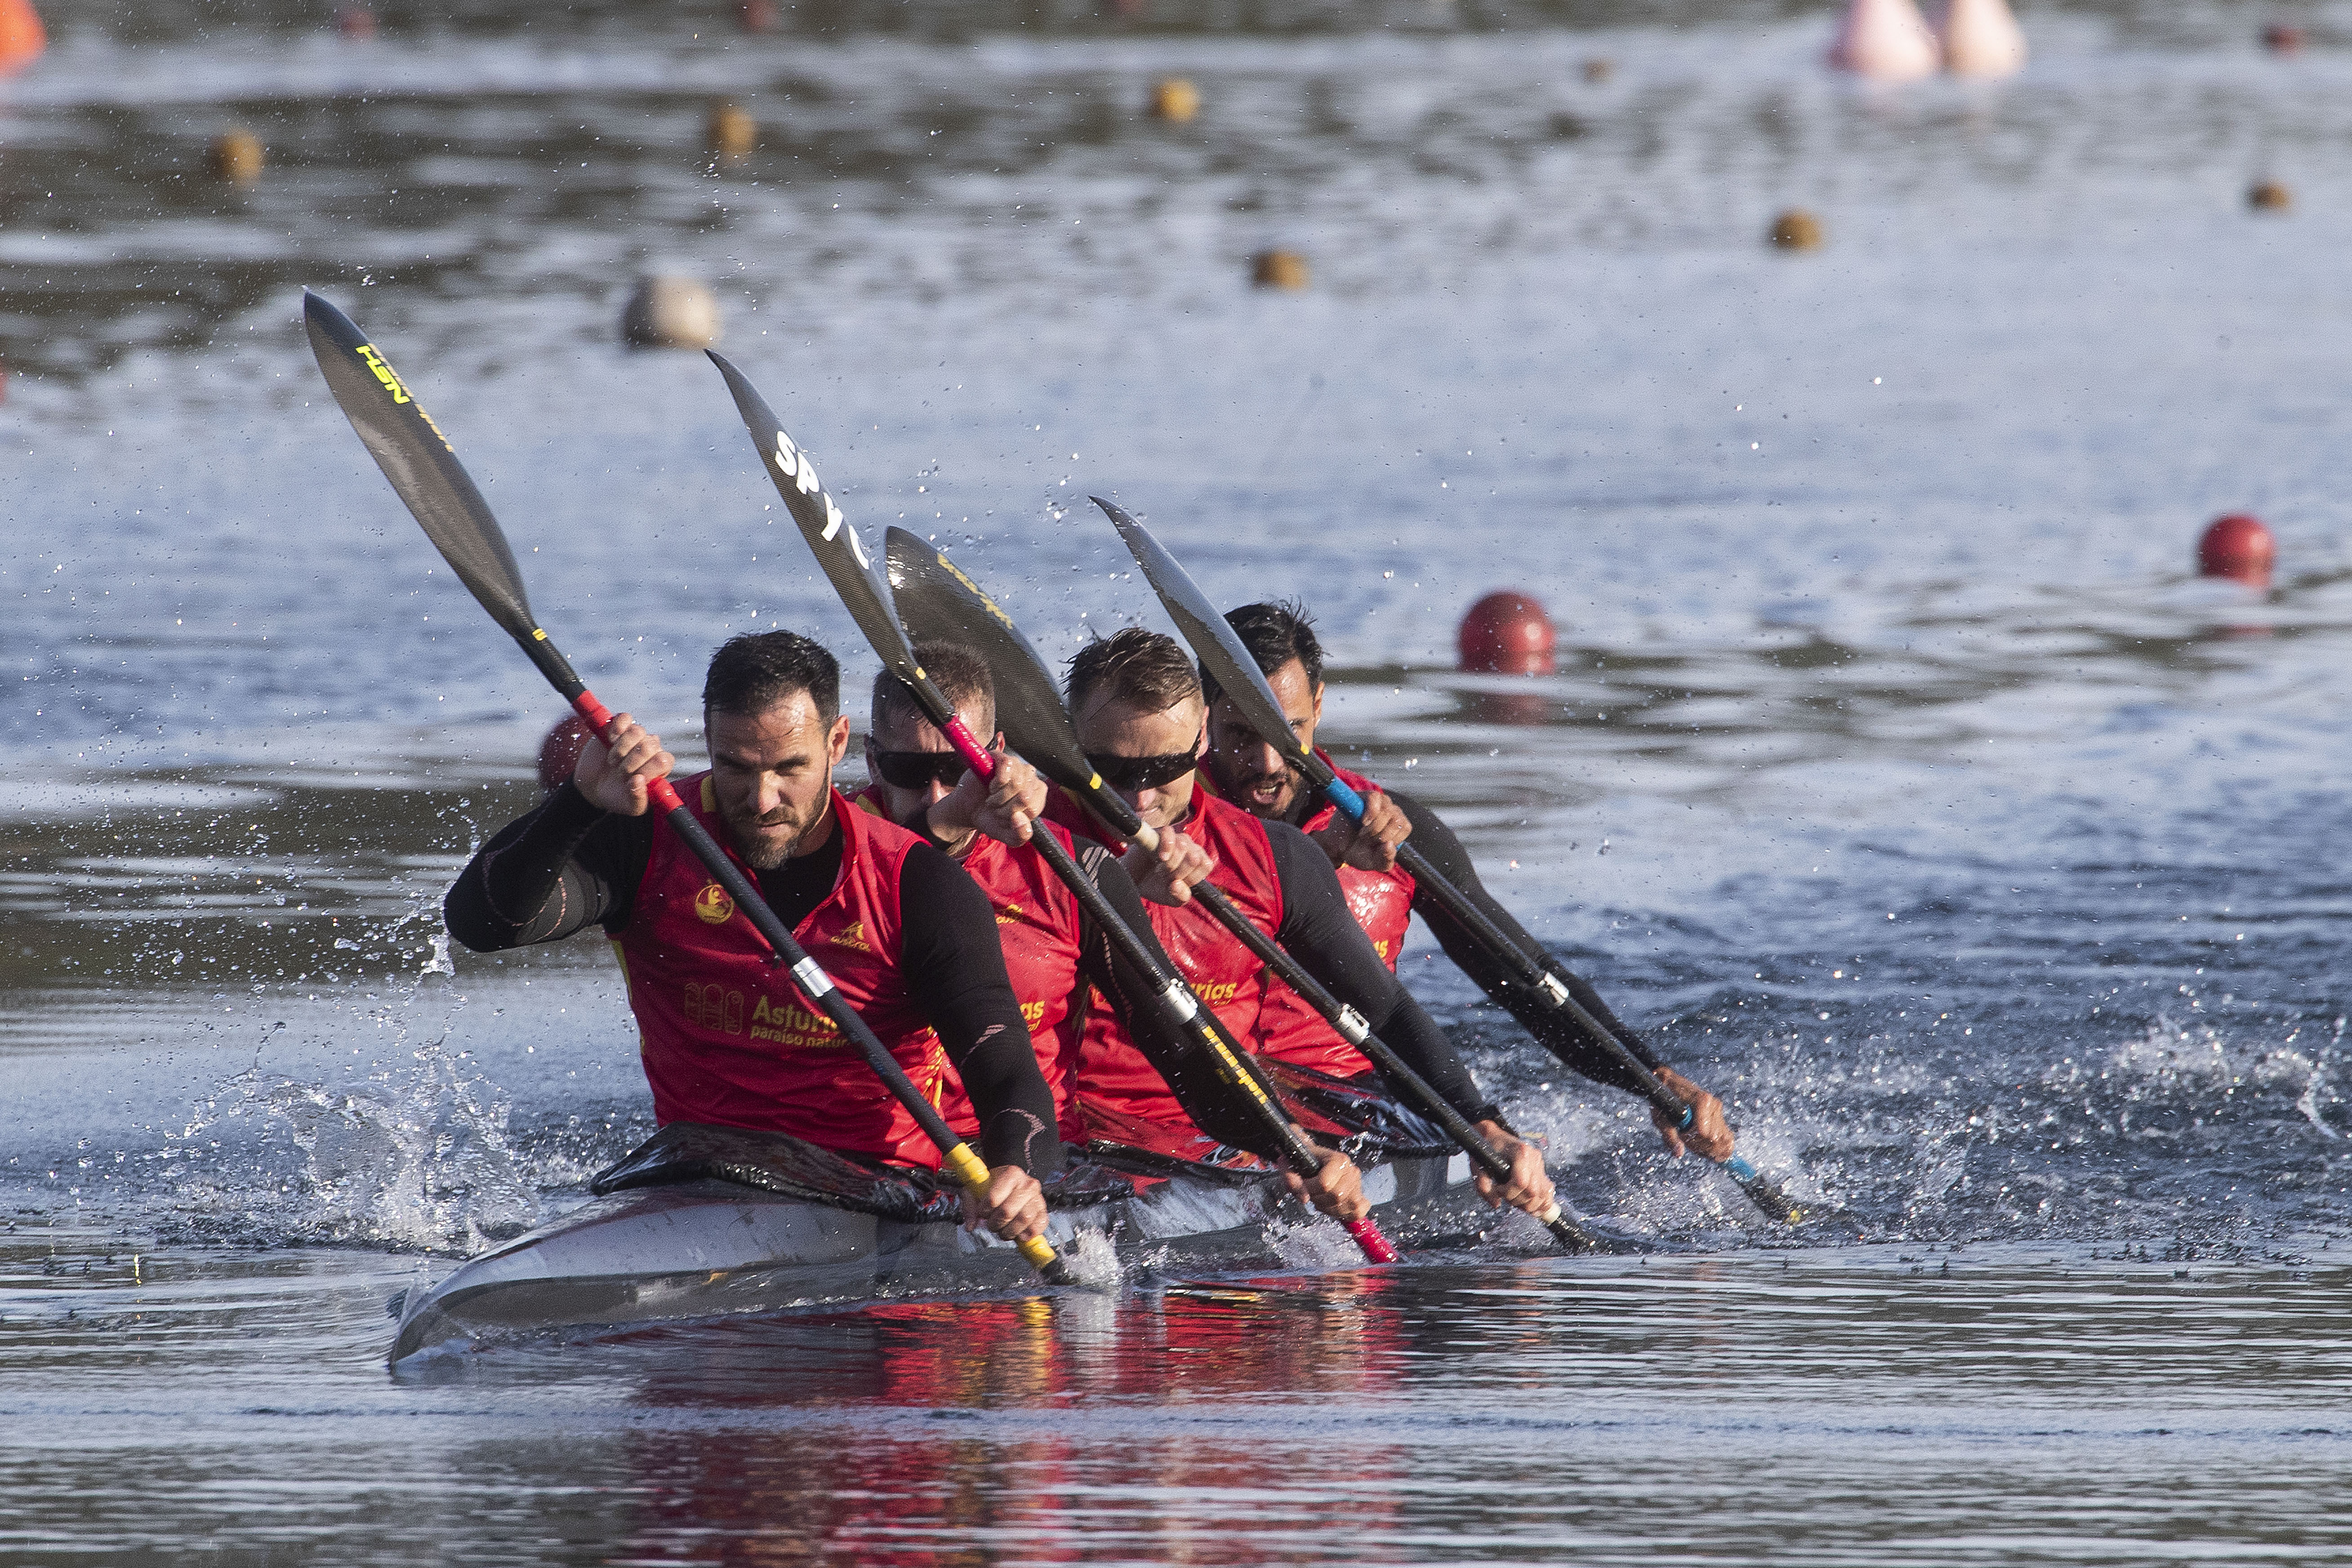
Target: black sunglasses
[1144, 772]
[914, 770]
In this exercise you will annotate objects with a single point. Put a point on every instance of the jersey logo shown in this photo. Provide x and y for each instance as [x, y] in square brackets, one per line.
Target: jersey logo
[712, 907]
[1011, 915]
[853, 936]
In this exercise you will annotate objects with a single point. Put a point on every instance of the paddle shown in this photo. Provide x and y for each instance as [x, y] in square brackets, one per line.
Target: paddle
[935, 596]
[1223, 656]
[868, 599]
[424, 469]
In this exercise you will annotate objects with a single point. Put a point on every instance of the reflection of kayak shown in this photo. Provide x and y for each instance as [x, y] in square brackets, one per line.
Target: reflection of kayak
[706, 1221]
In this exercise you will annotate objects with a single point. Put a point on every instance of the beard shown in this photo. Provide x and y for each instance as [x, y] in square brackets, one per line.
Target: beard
[767, 842]
[1243, 789]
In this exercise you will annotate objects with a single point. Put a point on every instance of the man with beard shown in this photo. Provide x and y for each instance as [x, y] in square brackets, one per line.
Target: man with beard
[1057, 959]
[1139, 711]
[1252, 775]
[726, 1037]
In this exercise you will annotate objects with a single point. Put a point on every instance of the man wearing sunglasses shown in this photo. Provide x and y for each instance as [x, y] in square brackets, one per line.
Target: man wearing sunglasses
[726, 1036]
[1140, 715]
[1245, 770]
[1056, 959]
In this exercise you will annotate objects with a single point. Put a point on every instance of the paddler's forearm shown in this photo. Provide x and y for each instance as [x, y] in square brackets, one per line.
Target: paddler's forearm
[551, 873]
[1557, 1032]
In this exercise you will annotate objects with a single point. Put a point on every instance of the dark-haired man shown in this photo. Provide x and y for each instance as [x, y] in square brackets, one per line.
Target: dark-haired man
[1057, 958]
[726, 1036]
[1138, 706]
[1246, 771]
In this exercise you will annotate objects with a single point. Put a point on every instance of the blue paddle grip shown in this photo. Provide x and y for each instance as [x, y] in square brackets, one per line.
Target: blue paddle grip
[1741, 1170]
[1346, 799]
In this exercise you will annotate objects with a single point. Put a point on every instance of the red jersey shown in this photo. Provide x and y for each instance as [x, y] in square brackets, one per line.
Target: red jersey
[727, 1039]
[1115, 1082]
[1037, 922]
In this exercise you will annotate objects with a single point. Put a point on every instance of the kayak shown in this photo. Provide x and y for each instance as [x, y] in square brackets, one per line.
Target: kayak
[703, 1223]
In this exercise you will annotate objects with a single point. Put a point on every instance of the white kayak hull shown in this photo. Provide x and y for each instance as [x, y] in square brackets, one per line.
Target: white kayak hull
[710, 1248]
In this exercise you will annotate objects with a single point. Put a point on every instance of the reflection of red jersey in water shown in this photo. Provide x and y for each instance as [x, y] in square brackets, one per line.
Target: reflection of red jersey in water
[1113, 1075]
[1381, 902]
[726, 1036]
[1037, 923]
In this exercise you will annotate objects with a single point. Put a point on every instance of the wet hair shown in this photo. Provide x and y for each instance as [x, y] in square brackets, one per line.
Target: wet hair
[1275, 633]
[752, 673]
[960, 675]
[1147, 670]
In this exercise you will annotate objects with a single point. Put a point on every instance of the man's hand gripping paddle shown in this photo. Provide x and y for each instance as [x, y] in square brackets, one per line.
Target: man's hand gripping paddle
[866, 594]
[424, 469]
[1222, 655]
[939, 601]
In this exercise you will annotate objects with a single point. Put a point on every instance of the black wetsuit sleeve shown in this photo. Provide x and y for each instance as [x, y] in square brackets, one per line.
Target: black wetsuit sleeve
[1321, 933]
[1557, 1033]
[551, 873]
[955, 966]
[1215, 1107]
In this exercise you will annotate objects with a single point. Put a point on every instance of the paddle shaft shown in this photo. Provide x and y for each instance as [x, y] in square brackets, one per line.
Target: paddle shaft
[1535, 977]
[1173, 996]
[1351, 1025]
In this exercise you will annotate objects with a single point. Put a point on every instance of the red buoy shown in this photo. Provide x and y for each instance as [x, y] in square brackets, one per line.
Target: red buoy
[2238, 547]
[22, 36]
[561, 752]
[355, 22]
[1506, 633]
[2281, 39]
[756, 15]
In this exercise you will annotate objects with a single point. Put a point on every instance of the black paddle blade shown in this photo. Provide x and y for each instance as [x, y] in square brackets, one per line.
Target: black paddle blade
[419, 461]
[854, 574]
[1222, 653]
[938, 603]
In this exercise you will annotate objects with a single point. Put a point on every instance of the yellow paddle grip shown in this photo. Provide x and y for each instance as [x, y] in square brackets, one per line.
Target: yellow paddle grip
[969, 1170]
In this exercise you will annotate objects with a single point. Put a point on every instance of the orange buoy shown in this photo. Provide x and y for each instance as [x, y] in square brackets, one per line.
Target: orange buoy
[1175, 100]
[1797, 229]
[22, 36]
[730, 132]
[1506, 633]
[560, 753]
[2238, 547]
[1886, 40]
[756, 15]
[237, 157]
[355, 22]
[1278, 270]
[2281, 39]
[2268, 196]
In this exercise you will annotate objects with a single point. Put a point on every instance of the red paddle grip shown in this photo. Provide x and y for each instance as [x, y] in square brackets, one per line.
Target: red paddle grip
[968, 746]
[600, 719]
[1368, 1237]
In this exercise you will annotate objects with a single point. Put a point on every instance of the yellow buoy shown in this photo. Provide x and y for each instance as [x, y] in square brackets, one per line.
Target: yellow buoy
[1797, 229]
[1278, 270]
[237, 157]
[670, 313]
[2270, 196]
[1175, 100]
[730, 133]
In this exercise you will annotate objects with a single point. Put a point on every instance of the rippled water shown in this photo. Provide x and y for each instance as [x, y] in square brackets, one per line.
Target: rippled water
[1897, 776]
